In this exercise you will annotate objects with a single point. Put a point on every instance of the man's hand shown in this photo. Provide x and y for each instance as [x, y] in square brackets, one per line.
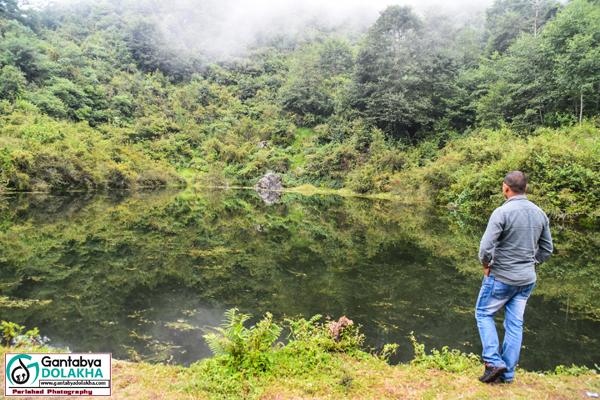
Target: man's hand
[486, 270]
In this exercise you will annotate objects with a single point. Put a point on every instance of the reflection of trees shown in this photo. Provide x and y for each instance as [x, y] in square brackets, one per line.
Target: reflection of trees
[117, 269]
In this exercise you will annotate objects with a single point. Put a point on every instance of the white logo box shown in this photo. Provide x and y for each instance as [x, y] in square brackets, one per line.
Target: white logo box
[57, 374]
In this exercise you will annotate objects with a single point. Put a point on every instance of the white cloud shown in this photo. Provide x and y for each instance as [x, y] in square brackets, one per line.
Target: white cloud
[225, 27]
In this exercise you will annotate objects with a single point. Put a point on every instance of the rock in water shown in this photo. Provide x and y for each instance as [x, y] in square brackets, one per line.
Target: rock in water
[269, 188]
[270, 181]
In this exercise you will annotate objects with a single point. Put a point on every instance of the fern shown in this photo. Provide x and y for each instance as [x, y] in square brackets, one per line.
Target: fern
[244, 348]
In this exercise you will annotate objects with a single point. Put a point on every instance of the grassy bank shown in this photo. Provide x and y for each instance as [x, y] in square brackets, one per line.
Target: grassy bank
[368, 379]
[250, 363]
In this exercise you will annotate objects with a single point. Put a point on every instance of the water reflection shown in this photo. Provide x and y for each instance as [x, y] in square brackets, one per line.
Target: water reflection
[269, 197]
[141, 275]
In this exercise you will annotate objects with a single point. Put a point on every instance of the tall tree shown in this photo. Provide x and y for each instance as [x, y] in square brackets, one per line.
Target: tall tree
[507, 19]
[572, 41]
[9, 9]
[305, 92]
[390, 74]
[545, 79]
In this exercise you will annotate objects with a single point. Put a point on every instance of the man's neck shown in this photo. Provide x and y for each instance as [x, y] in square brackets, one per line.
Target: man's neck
[516, 197]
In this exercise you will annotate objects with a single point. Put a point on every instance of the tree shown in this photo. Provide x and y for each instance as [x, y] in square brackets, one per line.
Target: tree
[391, 72]
[20, 47]
[572, 42]
[542, 78]
[9, 9]
[306, 93]
[12, 82]
[335, 57]
[151, 53]
[518, 86]
[507, 19]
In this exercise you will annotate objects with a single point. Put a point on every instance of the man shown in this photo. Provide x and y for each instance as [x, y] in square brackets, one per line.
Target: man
[517, 239]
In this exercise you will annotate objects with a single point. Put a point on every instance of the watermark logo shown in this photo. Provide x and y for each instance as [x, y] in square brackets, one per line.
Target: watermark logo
[57, 374]
[19, 372]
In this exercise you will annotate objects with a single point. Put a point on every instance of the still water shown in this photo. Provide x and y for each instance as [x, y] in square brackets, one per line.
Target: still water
[143, 275]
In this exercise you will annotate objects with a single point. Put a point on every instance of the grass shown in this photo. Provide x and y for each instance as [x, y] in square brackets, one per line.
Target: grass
[302, 136]
[368, 378]
[311, 190]
[250, 363]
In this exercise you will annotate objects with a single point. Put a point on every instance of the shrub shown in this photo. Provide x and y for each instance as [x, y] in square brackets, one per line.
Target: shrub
[331, 163]
[241, 348]
[15, 335]
[574, 370]
[562, 166]
[43, 154]
[12, 82]
[245, 355]
[445, 359]
[311, 336]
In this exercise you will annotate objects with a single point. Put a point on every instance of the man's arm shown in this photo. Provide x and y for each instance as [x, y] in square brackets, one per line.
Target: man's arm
[490, 239]
[545, 246]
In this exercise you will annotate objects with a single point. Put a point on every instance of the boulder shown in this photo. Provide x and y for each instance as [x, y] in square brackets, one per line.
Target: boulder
[269, 188]
[270, 181]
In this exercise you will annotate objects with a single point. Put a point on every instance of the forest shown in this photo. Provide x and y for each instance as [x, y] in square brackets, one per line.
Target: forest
[95, 96]
[391, 127]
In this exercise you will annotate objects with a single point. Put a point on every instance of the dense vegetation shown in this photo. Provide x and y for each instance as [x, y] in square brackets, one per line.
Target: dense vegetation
[251, 362]
[94, 96]
[188, 256]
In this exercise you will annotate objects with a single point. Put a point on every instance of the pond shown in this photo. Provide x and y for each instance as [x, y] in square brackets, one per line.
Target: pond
[142, 275]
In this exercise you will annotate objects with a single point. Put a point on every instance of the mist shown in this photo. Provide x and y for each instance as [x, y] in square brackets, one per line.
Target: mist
[230, 27]
[220, 29]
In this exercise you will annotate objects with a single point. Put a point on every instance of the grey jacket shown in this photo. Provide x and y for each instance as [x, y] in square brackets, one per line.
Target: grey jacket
[516, 239]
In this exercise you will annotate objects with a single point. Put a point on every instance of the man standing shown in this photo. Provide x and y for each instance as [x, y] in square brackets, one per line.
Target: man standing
[517, 239]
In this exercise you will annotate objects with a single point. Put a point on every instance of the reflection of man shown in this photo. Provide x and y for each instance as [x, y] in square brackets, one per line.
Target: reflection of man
[517, 238]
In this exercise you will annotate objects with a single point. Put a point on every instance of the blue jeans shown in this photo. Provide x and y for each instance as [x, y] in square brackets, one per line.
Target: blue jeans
[492, 297]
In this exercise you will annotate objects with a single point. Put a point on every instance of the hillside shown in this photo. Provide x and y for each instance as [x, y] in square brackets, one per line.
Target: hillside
[94, 96]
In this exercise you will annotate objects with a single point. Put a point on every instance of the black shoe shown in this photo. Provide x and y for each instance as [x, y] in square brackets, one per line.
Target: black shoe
[503, 381]
[491, 373]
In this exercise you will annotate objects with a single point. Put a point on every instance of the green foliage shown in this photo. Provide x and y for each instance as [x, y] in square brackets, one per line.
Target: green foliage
[12, 82]
[102, 100]
[445, 359]
[306, 93]
[389, 71]
[561, 165]
[310, 338]
[507, 19]
[335, 57]
[43, 154]
[244, 349]
[10, 331]
[252, 350]
[574, 370]
[545, 75]
[388, 350]
[245, 355]
[15, 335]
[22, 49]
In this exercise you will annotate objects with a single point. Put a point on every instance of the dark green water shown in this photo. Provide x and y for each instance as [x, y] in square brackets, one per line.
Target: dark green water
[141, 275]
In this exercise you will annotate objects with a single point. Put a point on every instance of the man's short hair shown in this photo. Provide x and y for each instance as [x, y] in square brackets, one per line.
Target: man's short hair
[516, 181]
